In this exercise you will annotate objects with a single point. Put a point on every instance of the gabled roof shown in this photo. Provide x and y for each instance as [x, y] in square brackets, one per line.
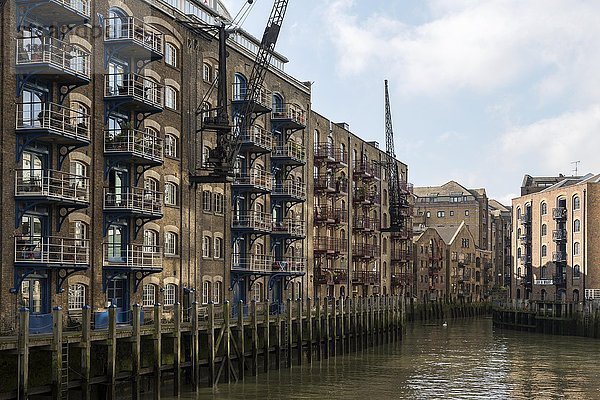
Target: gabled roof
[496, 205]
[574, 180]
[447, 189]
[449, 233]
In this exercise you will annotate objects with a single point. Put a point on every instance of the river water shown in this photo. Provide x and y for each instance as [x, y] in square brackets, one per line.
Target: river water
[469, 359]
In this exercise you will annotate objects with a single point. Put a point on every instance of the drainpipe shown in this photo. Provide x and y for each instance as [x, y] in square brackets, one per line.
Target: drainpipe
[584, 240]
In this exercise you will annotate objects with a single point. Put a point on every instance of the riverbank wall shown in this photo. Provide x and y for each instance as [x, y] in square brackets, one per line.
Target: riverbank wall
[131, 356]
[445, 310]
[556, 318]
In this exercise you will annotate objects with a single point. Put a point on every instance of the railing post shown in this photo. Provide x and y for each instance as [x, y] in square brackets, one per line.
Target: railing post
[23, 374]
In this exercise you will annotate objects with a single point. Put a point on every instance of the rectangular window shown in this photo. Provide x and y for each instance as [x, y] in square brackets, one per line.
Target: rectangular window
[452, 213]
[441, 214]
[218, 203]
[171, 55]
[206, 247]
[149, 295]
[206, 201]
[170, 194]
[466, 213]
[171, 146]
[76, 296]
[205, 292]
[217, 286]
[218, 248]
[171, 97]
[171, 244]
[206, 73]
[170, 294]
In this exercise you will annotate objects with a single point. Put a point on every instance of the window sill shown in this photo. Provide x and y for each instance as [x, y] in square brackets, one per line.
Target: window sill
[171, 255]
[172, 205]
[172, 157]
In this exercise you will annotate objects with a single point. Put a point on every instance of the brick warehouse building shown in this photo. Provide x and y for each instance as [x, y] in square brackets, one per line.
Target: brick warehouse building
[98, 153]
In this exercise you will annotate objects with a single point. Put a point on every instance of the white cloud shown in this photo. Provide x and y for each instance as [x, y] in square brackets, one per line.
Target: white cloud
[477, 45]
[550, 145]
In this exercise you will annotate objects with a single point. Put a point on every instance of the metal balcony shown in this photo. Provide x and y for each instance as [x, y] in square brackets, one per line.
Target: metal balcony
[400, 256]
[134, 37]
[52, 186]
[59, 12]
[525, 218]
[135, 92]
[330, 215]
[326, 152]
[134, 201]
[288, 116]
[53, 123]
[252, 221]
[132, 256]
[291, 153]
[53, 60]
[329, 184]
[543, 282]
[365, 224]
[366, 251]
[260, 103]
[329, 245]
[137, 146]
[559, 235]
[290, 264]
[366, 277]
[256, 139]
[525, 239]
[365, 197]
[559, 256]
[559, 213]
[290, 190]
[252, 262]
[37, 251]
[255, 180]
[290, 227]
[366, 171]
[401, 279]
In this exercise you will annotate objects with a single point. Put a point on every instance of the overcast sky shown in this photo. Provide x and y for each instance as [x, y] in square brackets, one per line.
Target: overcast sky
[482, 92]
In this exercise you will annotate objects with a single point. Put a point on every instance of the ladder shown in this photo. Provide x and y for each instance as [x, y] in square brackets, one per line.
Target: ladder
[285, 341]
[64, 371]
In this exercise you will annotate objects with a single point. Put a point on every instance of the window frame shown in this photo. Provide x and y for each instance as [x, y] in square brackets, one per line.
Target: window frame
[171, 146]
[171, 55]
[171, 93]
[146, 295]
[171, 199]
[170, 294]
[77, 303]
[171, 246]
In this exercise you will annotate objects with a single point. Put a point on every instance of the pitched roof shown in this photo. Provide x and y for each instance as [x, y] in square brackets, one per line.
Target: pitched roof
[496, 205]
[448, 233]
[447, 189]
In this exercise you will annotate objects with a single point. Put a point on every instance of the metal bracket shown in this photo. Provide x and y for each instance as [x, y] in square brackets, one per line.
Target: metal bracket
[139, 172]
[63, 96]
[19, 276]
[62, 275]
[108, 219]
[22, 207]
[287, 278]
[108, 275]
[64, 152]
[139, 224]
[23, 141]
[63, 214]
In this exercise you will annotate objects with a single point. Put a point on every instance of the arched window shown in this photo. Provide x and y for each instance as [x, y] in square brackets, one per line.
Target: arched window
[518, 212]
[217, 289]
[76, 296]
[278, 105]
[78, 174]
[118, 26]
[384, 245]
[80, 114]
[385, 197]
[576, 296]
[218, 247]
[171, 194]
[170, 295]
[239, 87]
[205, 292]
[150, 241]
[385, 221]
[576, 271]
[543, 295]
[576, 248]
[544, 272]
[518, 293]
[544, 229]
[206, 201]
[171, 54]
[149, 295]
[257, 292]
[171, 146]
[576, 203]
[151, 187]
[576, 225]
[207, 72]
[80, 233]
[384, 268]
[519, 252]
[206, 246]
[171, 97]
[171, 243]
[544, 250]
[543, 208]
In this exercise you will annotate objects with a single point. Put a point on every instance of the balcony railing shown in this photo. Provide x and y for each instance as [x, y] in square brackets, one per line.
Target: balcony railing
[559, 235]
[290, 264]
[51, 250]
[324, 244]
[261, 98]
[525, 218]
[52, 184]
[289, 114]
[330, 154]
[365, 277]
[365, 223]
[329, 214]
[133, 86]
[252, 262]
[291, 150]
[57, 120]
[135, 256]
[366, 197]
[400, 255]
[543, 282]
[290, 188]
[366, 170]
[290, 226]
[132, 29]
[259, 137]
[133, 142]
[257, 178]
[133, 199]
[559, 213]
[253, 220]
[63, 12]
[559, 256]
[363, 250]
[62, 57]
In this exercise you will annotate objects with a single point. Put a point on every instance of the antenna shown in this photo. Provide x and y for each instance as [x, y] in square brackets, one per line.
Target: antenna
[576, 166]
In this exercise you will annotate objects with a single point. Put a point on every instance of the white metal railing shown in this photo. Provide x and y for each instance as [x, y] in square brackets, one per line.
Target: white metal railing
[261, 97]
[59, 54]
[55, 117]
[133, 199]
[252, 262]
[253, 220]
[132, 255]
[291, 149]
[258, 136]
[290, 226]
[51, 183]
[255, 177]
[290, 188]
[543, 282]
[289, 111]
[137, 142]
[80, 6]
[131, 28]
[137, 86]
[290, 264]
[51, 250]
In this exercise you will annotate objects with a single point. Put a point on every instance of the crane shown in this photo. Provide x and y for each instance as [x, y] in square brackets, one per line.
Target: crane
[221, 159]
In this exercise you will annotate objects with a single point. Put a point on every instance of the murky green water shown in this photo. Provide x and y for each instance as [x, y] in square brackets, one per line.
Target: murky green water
[467, 360]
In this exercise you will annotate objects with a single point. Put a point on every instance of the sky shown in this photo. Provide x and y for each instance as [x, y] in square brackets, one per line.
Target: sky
[482, 92]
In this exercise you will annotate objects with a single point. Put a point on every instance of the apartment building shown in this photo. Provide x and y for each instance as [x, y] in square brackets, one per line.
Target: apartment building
[500, 243]
[353, 253]
[103, 110]
[554, 231]
[430, 265]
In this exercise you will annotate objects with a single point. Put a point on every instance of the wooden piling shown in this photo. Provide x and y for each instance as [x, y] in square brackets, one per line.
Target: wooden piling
[157, 345]
[318, 327]
[23, 374]
[288, 333]
[111, 352]
[211, 344]
[254, 331]
[85, 346]
[309, 327]
[57, 338]
[195, 347]
[136, 381]
[299, 326]
[241, 344]
[267, 336]
[176, 349]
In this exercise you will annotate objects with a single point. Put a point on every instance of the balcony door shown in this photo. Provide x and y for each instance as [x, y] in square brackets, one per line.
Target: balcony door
[116, 243]
[116, 73]
[117, 295]
[34, 295]
[32, 165]
[117, 182]
[32, 109]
